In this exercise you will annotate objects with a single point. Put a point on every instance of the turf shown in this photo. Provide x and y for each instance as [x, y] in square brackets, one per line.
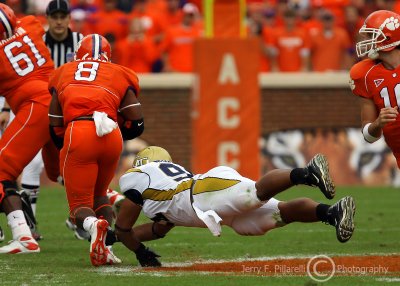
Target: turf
[65, 261]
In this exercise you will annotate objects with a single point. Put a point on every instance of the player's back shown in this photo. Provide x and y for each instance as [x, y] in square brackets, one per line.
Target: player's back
[25, 64]
[86, 86]
[165, 190]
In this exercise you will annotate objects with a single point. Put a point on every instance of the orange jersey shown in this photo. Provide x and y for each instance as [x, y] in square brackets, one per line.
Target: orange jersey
[137, 54]
[371, 80]
[178, 43]
[327, 51]
[87, 86]
[25, 65]
[290, 45]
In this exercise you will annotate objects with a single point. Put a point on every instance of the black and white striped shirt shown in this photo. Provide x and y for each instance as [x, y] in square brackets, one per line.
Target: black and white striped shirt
[62, 52]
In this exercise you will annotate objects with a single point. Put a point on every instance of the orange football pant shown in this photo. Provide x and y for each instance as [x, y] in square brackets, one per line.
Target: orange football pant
[88, 163]
[22, 140]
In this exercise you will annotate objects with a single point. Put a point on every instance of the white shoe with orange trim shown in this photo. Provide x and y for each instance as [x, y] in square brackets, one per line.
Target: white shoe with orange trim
[24, 244]
[98, 250]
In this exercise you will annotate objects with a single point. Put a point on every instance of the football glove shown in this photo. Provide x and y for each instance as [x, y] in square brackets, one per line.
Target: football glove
[147, 257]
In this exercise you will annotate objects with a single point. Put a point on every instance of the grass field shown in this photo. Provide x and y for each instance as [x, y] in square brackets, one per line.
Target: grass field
[65, 261]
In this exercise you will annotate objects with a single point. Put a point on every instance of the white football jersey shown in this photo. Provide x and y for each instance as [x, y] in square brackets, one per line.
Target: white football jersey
[165, 189]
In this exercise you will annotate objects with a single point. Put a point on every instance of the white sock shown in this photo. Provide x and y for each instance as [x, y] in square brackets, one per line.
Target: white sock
[88, 222]
[17, 223]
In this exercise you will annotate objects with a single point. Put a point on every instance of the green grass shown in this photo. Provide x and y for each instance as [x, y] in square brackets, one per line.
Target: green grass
[65, 261]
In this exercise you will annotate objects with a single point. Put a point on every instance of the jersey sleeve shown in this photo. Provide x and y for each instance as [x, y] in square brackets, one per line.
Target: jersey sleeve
[53, 81]
[33, 24]
[134, 179]
[357, 81]
[133, 81]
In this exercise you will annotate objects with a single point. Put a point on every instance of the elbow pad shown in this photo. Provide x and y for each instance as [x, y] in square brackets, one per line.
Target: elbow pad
[131, 129]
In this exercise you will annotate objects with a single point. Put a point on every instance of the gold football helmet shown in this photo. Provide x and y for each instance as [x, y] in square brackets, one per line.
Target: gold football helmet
[150, 154]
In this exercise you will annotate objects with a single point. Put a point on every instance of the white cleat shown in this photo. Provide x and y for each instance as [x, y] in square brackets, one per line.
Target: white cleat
[98, 251]
[24, 244]
[112, 258]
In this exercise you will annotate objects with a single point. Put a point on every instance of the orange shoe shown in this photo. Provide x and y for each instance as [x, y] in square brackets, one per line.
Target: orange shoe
[24, 244]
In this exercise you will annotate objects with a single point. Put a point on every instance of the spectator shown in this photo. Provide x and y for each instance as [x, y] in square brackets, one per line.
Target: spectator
[330, 47]
[291, 46]
[138, 51]
[109, 20]
[178, 44]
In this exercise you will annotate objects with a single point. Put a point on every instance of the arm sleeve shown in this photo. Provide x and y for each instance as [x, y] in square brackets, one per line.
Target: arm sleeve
[357, 82]
[134, 179]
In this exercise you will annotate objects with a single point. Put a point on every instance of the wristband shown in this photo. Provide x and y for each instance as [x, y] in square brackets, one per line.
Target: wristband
[5, 109]
[367, 136]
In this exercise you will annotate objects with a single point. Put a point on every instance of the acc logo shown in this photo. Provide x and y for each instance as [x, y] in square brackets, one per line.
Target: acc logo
[391, 24]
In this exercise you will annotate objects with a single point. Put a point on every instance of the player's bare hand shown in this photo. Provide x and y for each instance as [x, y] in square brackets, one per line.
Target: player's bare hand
[4, 119]
[387, 115]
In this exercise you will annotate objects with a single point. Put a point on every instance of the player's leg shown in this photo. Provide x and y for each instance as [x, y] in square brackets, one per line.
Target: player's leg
[30, 125]
[79, 166]
[278, 213]
[30, 184]
[108, 162]
[316, 173]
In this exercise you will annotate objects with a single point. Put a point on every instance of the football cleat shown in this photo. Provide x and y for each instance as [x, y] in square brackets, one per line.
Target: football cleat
[99, 253]
[24, 244]
[341, 215]
[78, 233]
[111, 257]
[319, 176]
[115, 200]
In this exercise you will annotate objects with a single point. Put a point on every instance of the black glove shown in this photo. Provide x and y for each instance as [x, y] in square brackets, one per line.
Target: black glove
[147, 257]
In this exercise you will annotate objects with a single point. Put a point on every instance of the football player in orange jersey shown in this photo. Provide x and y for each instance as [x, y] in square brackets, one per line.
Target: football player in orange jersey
[376, 79]
[25, 69]
[90, 95]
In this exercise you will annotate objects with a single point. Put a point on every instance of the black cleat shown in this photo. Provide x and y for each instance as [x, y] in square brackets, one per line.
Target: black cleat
[319, 176]
[341, 215]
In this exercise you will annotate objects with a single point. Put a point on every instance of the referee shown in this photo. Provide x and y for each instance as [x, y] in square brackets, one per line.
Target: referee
[59, 38]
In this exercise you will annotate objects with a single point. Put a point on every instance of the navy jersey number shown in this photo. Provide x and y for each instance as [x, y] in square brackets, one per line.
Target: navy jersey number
[175, 172]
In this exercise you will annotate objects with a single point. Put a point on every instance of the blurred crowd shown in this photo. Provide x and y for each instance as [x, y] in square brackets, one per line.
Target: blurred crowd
[158, 35]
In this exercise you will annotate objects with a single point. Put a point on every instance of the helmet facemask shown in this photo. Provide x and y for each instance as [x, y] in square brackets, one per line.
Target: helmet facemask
[370, 45]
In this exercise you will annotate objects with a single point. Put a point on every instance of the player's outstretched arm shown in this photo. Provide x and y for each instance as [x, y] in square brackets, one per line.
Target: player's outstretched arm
[127, 216]
[152, 230]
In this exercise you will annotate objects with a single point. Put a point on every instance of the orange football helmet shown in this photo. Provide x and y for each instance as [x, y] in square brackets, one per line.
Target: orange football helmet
[382, 32]
[8, 21]
[93, 47]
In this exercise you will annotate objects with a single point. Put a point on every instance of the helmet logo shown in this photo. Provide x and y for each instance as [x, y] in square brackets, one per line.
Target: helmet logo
[391, 24]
